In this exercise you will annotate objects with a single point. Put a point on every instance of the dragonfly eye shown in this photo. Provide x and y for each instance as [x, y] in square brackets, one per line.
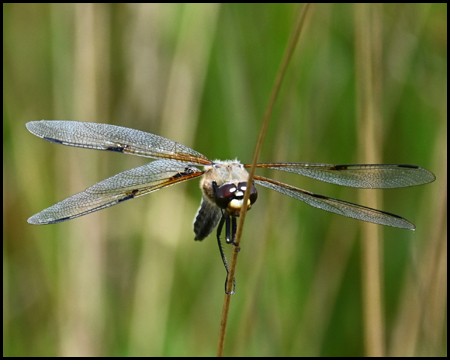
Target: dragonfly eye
[253, 194]
[230, 196]
[224, 194]
[242, 186]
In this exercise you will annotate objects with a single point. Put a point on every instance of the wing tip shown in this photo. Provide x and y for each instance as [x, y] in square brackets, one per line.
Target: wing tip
[36, 220]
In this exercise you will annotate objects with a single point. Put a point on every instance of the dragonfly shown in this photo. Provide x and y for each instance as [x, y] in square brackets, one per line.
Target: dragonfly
[223, 183]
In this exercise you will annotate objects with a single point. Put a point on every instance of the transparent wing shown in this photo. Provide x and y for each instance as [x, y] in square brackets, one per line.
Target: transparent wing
[114, 138]
[337, 206]
[124, 186]
[359, 176]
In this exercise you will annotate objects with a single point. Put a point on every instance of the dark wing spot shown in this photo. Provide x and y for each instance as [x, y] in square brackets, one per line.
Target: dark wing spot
[119, 148]
[177, 176]
[128, 197]
[59, 220]
[53, 140]
[340, 167]
[187, 171]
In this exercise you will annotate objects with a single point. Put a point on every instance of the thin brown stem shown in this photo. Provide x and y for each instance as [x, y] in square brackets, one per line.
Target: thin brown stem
[295, 35]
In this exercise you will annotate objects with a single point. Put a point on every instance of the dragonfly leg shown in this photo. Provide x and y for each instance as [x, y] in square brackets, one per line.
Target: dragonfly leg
[225, 220]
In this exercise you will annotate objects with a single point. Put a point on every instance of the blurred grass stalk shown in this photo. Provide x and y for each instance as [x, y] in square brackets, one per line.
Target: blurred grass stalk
[368, 52]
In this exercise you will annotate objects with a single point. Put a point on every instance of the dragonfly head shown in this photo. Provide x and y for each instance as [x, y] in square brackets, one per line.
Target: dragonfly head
[230, 197]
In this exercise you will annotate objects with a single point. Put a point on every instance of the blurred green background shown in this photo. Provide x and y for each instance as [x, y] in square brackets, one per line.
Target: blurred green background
[130, 280]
